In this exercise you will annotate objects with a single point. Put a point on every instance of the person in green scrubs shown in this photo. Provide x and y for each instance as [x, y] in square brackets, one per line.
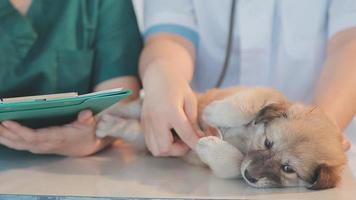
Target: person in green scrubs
[61, 46]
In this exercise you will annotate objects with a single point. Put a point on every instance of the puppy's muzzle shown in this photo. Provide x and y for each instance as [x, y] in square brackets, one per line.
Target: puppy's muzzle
[249, 177]
[260, 166]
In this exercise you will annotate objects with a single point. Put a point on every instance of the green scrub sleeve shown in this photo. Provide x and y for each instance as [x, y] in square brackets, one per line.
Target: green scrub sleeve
[118, 41]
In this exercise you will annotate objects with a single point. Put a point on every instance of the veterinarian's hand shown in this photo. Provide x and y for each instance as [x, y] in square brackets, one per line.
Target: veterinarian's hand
[169, 103]
[74, 139]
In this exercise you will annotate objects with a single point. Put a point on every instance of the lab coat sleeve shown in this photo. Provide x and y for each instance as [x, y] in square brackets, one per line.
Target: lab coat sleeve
[342, 15]
[177, 17]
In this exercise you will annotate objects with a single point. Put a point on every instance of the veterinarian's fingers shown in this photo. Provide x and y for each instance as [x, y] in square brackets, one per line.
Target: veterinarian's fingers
[152, 144]
[185, 130]
[19, 140]
[25, 133]
[35, 141]
[21, 143]
[11, 144]
[191, 110]
[178, 149]
[4, 132]
[14, 126]
[85, 117]
[149, 137]
[163, 137]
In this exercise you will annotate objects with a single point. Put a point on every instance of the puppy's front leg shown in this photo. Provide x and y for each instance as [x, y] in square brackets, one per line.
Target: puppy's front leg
[131, 110]
[129, 130]
[222, 158]
[240, 109]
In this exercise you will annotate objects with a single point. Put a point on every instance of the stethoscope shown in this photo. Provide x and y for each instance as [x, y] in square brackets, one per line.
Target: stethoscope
[230, 41]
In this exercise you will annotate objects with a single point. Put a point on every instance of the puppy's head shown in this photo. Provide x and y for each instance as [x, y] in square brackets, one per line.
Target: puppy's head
[291, 145]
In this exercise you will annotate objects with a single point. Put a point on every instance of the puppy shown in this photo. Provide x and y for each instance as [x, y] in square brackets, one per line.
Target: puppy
[267, 140]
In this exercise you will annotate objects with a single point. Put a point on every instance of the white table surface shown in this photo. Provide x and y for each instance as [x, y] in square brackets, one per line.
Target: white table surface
[120, 172]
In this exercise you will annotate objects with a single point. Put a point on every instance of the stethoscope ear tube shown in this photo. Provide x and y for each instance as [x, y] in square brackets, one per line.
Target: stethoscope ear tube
[229, 44]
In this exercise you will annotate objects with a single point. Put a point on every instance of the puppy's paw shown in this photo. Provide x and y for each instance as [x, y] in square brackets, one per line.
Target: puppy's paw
[209, 141]
[110, 125]
[211, 147]
[223, 158]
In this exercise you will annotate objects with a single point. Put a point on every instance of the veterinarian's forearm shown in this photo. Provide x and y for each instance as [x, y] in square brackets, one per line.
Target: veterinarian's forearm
[129, 82]
[336, 92]
[168, 51]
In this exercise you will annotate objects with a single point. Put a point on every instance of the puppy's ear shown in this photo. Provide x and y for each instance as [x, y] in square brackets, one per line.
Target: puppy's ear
[270, 112]
[325, 177]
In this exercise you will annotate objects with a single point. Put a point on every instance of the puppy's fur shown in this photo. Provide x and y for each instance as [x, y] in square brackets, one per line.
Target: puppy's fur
[267, 140]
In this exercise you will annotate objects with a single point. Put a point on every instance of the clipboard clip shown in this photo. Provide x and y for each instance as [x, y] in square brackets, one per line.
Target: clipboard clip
[39, 97]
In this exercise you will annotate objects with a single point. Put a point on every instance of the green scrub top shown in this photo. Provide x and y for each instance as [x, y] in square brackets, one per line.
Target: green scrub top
[66, 45]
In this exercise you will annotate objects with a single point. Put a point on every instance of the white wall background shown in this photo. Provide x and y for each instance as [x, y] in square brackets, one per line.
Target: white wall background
[138, 4]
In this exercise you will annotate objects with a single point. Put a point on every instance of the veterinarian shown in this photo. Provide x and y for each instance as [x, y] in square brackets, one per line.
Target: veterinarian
[64, 46]
[306, 49]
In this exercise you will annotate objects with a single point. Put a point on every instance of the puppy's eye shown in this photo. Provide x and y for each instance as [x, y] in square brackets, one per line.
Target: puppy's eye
[287, 169]
[268, 144]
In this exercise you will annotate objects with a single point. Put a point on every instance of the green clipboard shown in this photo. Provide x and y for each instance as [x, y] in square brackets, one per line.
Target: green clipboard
[57, 109]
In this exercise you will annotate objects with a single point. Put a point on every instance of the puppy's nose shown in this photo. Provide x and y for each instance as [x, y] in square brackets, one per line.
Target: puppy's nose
[249, 177]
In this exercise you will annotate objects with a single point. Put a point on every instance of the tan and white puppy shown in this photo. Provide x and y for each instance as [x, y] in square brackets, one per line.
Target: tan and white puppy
[267, 140]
